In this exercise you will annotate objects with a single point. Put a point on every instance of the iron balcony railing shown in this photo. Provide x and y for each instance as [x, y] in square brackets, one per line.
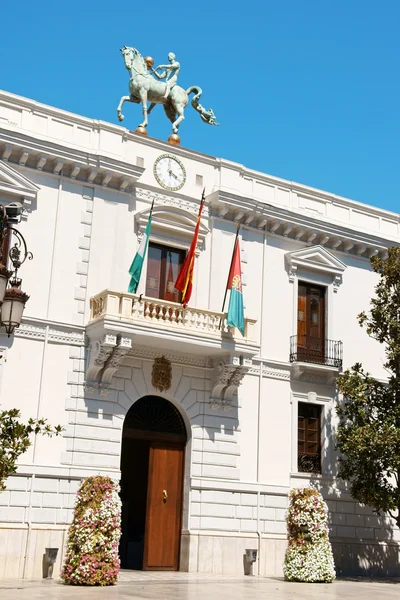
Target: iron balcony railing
[308, 463]
[304, 348]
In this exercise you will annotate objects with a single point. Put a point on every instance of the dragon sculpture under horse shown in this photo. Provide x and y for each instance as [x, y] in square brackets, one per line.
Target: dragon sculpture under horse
[143, 88]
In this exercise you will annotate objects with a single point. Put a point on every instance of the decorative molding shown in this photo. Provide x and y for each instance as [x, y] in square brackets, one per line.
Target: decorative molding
[41, 161]
[148, 353]
[186, 205]
[106, 179]
[23, 158]
[337, 282]
[170, 223]
[275, 373]
[292, 271]
[298, 223]
[49, 157]
[6, 152]
[318, 259]
[26, 330]
[270, 371]
[58, 165]
[75, 171]
[15, 186]
[55, 335]
[227, 376]
[314, 373]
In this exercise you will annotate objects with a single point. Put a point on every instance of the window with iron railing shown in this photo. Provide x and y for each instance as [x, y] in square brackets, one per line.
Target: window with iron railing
[309, 438]
[318, 351]
[310, 344]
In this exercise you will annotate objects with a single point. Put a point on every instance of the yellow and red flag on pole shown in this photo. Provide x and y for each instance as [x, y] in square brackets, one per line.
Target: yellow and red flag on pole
[184, 283]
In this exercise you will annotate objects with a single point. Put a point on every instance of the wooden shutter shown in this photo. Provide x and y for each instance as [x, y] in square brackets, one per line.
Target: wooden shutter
[309, 438]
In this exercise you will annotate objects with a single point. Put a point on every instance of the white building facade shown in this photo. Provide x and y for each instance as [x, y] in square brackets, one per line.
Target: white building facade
[206, 464]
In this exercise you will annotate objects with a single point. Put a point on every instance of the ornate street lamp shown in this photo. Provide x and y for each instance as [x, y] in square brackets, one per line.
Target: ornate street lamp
[12, 298]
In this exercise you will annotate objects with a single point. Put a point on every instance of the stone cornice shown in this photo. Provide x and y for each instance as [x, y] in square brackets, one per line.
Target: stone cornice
[304, 189]
[55, 141]
[19, 102]
[288, 223]
[61, 333]
[81, 166]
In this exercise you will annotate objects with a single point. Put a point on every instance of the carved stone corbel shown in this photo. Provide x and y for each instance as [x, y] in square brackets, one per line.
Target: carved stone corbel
[336, 283]
[115, 359]
[228, 374]
[292, 272]
[99, 352]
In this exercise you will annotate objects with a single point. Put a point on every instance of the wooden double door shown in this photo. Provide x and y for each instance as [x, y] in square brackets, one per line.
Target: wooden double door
[311, 323]
[152, 467]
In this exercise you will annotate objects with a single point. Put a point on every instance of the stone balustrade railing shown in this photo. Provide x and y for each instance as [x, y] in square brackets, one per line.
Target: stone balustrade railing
[154, 312]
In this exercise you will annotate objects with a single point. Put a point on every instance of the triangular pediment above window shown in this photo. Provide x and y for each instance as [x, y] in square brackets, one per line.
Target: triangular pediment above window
[15, 187]
[315, 258]
[171, 225]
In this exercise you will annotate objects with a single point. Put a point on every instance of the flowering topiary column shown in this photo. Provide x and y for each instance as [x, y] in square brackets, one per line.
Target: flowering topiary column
[309, 554]
[93, 537]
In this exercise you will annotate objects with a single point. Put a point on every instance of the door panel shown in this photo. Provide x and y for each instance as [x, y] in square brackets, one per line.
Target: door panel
[311, 323]
[164, 508]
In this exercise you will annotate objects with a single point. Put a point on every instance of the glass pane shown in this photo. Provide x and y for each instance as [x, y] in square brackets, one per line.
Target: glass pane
[312, 424]
[153, 271]
[172, 266]
[316, 316]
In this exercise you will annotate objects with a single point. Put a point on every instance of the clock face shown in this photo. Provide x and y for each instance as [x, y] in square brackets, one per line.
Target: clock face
[169, 172]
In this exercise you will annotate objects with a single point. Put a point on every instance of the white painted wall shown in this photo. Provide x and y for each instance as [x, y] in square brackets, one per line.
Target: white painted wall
[84, 237]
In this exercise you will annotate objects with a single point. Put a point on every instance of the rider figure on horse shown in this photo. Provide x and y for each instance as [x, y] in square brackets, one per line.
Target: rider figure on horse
[170, 74]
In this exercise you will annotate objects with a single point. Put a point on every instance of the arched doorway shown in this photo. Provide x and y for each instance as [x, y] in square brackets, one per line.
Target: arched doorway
[152, 461]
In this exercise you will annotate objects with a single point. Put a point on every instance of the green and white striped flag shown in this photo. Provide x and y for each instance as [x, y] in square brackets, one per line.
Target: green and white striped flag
[137, 264]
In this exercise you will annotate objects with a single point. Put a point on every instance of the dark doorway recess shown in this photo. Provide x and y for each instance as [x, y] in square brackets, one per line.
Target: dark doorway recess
[152, 460]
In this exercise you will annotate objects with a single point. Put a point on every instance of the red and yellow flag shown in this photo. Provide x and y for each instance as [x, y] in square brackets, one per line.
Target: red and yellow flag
[184, 283]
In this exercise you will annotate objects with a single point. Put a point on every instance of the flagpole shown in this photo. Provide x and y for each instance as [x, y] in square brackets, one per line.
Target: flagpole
[184, 281]
[229, 272]
[142, 257]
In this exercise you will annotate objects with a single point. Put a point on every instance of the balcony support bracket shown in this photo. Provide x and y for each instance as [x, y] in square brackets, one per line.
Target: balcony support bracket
[227, 376]
[313, 373]
[105, 356]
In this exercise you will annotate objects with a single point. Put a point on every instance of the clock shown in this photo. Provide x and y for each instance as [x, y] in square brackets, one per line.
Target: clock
[169, 172]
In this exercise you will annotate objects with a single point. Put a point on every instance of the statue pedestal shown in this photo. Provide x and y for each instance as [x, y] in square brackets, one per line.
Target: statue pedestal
[174, 139]
[141, 130]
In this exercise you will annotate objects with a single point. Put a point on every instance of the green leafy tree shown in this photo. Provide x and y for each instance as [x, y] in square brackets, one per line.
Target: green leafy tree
[15, 439]
[369, 430]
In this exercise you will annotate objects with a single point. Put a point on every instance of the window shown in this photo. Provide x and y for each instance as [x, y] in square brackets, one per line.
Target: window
[163, 267]
[309, 438]
[311, 323]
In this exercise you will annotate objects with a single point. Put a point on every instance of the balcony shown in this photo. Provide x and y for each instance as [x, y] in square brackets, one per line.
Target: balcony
[162, 324]
[308, 463]
[319, 358]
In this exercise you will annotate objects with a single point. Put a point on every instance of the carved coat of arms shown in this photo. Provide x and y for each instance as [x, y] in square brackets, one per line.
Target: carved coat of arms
[161, 375]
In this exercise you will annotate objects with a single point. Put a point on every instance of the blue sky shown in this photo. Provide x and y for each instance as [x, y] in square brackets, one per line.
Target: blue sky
[306, 90]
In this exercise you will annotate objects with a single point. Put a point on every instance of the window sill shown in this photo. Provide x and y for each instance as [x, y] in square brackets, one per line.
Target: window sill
[304, 475]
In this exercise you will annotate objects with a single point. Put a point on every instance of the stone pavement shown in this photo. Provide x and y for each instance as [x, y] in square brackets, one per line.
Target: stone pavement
[196, 586]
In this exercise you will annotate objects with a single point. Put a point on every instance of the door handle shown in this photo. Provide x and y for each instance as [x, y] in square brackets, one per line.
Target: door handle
[165, 496]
